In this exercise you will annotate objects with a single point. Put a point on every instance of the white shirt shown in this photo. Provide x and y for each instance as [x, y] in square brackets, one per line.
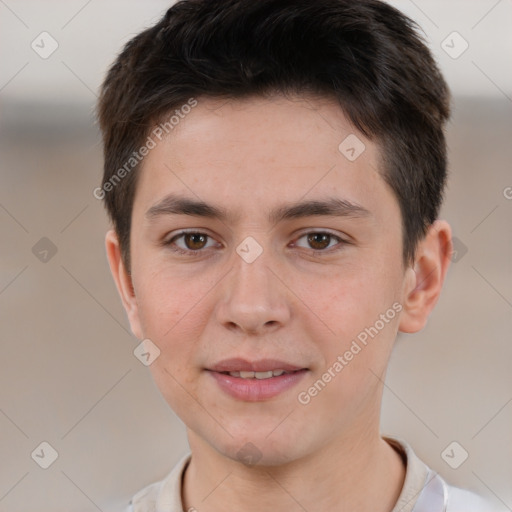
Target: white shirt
[423, 491]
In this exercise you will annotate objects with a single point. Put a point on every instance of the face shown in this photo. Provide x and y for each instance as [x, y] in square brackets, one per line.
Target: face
[292, 261]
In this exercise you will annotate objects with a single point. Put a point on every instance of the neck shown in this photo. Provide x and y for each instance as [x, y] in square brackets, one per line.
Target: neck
[355, 473]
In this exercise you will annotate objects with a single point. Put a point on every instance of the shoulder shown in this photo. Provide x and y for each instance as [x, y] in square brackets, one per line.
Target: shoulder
[462, 500]
[146, 499]
[162, 495]
[425, 490]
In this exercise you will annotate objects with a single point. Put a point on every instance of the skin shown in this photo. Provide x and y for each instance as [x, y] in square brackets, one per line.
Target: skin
[250, 156]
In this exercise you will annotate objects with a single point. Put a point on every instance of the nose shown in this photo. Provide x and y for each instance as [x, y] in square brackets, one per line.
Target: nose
[253, 299]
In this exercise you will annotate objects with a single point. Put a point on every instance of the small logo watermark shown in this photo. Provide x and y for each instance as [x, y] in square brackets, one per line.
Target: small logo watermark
[44, 45]
[454, 455]
[146, 352]
[352, 147]
[44, 250]
[454, 45]
[44, 455]
[249, 454]
[249, 249]
[459, 250]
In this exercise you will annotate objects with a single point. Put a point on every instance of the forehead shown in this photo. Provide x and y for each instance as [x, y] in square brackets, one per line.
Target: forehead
[244, 153]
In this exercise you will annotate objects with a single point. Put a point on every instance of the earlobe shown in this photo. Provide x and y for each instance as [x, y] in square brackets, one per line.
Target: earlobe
[123, 282]
[432, 260]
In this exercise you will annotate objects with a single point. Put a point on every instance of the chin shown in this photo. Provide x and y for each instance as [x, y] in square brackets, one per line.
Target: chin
[260, 449]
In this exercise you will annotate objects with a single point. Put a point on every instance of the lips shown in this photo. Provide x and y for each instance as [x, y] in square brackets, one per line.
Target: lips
[262, 365]
[254, 381]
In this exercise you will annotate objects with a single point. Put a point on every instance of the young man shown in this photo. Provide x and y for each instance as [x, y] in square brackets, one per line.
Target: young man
[274, 172]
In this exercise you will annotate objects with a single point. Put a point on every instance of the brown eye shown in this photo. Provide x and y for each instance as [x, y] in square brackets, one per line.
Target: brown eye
[190, 243]
[319, 241]
[195, 241]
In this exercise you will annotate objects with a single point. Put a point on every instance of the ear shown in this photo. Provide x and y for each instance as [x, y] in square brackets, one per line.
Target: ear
[422, 290]
[123, 282]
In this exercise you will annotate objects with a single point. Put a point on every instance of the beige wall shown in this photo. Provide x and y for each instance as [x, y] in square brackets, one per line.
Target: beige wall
[67, 372]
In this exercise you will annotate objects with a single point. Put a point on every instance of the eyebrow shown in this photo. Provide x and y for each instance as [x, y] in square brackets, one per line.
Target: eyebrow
[173, 204]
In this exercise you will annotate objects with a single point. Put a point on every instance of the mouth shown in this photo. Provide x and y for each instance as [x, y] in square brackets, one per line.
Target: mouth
[259, 375]
[244, 366]
[257, 380]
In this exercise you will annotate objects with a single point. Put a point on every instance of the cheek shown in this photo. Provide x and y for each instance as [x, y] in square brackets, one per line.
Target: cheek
[350, 299]
[359, 308]
[171, 303]
[172, 316]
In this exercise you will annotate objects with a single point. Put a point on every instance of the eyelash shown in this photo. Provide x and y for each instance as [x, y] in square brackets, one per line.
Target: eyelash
[192, 253]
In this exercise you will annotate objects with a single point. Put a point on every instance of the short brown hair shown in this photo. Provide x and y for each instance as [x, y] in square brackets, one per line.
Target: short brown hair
[366, 54]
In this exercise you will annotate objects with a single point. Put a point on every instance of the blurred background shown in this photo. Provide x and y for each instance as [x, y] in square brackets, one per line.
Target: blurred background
[68, 375]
